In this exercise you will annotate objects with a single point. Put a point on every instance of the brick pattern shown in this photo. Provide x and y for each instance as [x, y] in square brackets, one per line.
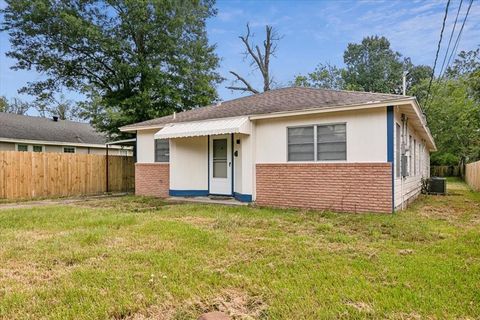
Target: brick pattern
[344, 187]
[152, 179]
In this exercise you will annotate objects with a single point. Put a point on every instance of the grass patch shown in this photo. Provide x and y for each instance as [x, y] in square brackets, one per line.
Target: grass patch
[137, 258]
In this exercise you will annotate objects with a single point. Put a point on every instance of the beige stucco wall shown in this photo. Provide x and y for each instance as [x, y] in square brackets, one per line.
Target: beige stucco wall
[10, 146]
[243, 164]
[189, 163]
[146, 146]
[366, 135]
[6, 146]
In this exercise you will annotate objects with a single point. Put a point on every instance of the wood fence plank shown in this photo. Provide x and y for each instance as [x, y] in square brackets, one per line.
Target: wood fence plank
[30, 174]
[472, 175]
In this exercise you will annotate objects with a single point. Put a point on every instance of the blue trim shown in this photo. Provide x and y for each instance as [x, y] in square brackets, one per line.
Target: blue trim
[233, 158]
[208, 162]
[242, 197]
[188, 193]
[390, 149]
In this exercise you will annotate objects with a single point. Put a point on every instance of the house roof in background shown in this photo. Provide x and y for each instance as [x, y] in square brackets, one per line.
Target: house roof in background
[14, 126]
[279, 100]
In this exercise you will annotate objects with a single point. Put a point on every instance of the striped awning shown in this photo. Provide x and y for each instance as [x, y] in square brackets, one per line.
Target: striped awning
[204, 128]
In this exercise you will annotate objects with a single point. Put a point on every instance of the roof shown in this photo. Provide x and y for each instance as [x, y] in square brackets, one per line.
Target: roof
[14, 126]
[278, 100]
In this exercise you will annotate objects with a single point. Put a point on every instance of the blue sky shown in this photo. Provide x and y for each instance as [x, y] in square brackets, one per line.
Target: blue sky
[313, 32]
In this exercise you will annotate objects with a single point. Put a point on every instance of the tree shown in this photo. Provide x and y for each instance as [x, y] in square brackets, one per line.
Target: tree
[454, 119]
[144, 59]
[373, 66]
[16, 106]
[259, 59]
[63, 108]
[467, 65]
[324, 76]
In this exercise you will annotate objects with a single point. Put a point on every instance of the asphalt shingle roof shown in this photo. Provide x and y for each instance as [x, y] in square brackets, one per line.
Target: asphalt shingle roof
[14, 126]
[278, 100]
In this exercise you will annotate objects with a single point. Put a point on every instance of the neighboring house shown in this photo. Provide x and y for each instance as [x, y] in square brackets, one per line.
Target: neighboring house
[291, 147]
[37, 134]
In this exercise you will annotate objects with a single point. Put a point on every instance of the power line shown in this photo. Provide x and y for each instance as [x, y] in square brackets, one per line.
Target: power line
[436, 54]
[451, 37]
[457, 42]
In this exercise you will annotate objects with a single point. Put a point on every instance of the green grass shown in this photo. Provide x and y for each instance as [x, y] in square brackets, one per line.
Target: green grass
[137, 258]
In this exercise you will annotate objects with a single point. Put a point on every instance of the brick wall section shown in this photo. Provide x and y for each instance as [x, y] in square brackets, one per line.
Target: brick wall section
[343, 187]
[152, 179]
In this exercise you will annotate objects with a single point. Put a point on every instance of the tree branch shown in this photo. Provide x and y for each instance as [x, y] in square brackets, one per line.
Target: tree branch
[247, 87]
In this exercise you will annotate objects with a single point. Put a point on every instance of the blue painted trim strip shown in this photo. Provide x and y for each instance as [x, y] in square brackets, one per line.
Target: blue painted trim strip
[242, 197]
[208, 162]
[390, 148]
[188, 193]
[233, 164]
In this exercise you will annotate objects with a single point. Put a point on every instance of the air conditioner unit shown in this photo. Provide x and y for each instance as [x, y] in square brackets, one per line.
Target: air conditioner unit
[437, 185]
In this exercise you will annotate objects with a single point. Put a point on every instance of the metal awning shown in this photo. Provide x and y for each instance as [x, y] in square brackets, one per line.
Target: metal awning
[204, 128]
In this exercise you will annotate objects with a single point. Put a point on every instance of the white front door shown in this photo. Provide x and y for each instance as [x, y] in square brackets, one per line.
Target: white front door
[220, 164]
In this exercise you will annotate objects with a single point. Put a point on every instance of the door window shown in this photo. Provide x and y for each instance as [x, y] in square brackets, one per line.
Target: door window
[220, 158]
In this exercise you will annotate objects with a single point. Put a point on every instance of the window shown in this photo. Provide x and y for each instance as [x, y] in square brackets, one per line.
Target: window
[397, 151]
[332, 142]
[162, 150]
[410, 151]
[68, 149]
[220, 169]
[301, 144]
[22, 147]
[414, 157]
[37, 148]
[317, 143]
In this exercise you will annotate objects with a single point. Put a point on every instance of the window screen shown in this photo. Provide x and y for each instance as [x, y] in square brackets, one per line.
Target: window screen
[332, 142]
[22, 147]
[301, 144]
[37, 148]
[162, 150]
[220, 158]
[69, 149]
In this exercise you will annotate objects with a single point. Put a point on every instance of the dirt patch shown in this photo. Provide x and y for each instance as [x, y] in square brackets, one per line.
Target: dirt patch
[233, 302]
[360, 306]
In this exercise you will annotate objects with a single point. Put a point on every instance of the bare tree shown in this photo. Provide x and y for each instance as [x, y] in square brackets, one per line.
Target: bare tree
[259, 59]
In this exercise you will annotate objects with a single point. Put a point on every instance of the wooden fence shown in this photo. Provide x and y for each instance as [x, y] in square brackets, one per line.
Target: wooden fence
[472, 175]
[32, 174]
[446, 171]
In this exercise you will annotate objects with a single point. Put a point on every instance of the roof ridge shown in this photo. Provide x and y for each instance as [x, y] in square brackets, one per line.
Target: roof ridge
[43, 118]
[353, 91]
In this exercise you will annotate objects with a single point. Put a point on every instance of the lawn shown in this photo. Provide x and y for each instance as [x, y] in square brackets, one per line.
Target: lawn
[139, 258]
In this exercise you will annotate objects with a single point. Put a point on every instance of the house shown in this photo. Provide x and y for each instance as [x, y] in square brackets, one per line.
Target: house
[37, 134]
[291, 147]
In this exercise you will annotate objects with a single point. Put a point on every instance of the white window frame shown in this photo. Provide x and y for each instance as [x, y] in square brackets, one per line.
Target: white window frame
[38, 145]
[74, 149]
[315, 142]
[22, 144]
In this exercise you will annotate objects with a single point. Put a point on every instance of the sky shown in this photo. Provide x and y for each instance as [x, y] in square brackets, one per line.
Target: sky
[312, 32]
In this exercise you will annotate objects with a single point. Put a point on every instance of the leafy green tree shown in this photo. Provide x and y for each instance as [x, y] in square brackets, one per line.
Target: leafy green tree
[15, 105]
[467, 65]
[324, 76]
[454, 119]
[141, 58]
[373, 66]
